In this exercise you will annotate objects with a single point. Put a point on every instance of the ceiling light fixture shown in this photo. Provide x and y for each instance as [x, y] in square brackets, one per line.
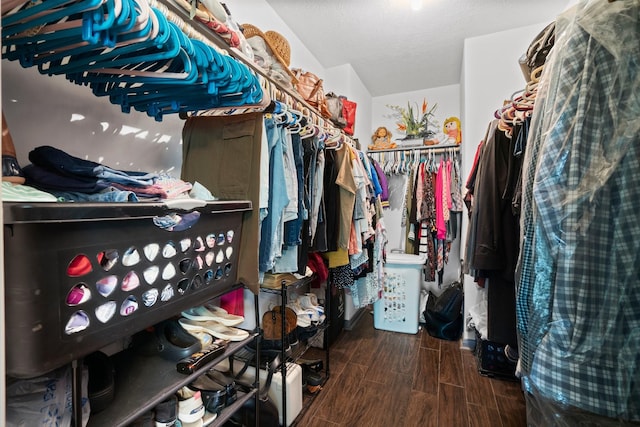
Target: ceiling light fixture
[416, 5]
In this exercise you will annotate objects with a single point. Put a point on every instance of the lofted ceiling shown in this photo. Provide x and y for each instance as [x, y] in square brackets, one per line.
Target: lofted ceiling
[393, 47]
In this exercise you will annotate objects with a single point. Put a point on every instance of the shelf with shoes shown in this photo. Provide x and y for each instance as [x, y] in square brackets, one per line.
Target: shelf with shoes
[142, 382]
[294, 350]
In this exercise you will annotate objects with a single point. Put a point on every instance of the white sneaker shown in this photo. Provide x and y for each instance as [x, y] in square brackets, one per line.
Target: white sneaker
[190, 407]
[303, 315]
[309, 301]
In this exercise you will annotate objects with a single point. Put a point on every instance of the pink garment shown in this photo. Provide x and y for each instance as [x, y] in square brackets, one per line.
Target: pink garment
[441, 226]
[145, 191]
[233, 302]
[222, 30]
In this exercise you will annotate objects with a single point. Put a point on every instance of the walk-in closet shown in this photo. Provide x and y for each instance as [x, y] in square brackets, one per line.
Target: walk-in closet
[295, 213]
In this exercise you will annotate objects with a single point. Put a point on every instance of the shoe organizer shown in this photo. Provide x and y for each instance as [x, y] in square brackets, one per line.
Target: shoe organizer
[79, 276]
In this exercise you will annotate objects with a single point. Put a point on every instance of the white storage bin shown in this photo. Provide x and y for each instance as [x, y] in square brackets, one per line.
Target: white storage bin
[294, 388]
[399, 308]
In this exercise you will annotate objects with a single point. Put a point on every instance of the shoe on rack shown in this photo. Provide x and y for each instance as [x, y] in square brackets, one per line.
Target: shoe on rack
[169, 340]
[511, 354]
[101, 386]
[204, 338]
[208, 418]
[211, 312]
[214, 328]
[303, 315]
[213, 394]
[227, 380]
[315, 365]
[311, 379]
[310, 300]
[190, 407]
[167, 412]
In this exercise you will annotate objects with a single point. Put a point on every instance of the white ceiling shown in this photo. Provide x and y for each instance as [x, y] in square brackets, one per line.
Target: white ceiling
[395, 49]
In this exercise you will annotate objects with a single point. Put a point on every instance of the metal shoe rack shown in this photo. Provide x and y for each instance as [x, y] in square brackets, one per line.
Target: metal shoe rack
[299, 352]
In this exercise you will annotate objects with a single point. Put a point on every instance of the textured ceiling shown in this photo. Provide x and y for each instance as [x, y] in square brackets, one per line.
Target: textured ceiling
[394, 48]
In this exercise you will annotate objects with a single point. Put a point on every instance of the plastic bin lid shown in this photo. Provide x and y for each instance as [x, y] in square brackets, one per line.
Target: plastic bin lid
[402, 258]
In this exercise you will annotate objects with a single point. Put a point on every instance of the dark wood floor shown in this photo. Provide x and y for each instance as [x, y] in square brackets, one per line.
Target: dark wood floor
[381, 378]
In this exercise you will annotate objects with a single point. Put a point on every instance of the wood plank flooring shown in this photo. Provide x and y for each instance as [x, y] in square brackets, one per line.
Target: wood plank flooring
[382, 378]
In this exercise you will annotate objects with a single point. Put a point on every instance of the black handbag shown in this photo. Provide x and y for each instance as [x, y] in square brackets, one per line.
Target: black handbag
[268, 412]
[443, 314]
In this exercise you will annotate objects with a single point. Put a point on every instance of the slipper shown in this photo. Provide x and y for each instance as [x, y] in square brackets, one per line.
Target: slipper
[214, 313]
[168, 340]
[214, 328]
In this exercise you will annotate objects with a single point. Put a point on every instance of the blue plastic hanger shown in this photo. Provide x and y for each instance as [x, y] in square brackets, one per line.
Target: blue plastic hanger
[164, 46]
[52, 54]
[46, 12]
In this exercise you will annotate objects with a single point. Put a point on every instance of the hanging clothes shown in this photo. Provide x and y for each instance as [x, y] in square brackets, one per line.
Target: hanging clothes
[578, 296]
[271, 225]
[347, 189]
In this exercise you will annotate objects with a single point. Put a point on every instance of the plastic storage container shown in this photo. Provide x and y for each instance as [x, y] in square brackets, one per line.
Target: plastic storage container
[294, 388]
[80, 276]
[399, 308]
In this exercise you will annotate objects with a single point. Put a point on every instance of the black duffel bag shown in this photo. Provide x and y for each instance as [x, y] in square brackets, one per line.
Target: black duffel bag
[443, 314]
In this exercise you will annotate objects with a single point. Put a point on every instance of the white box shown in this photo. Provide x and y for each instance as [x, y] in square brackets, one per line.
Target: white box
[399, 308]
[294, 388]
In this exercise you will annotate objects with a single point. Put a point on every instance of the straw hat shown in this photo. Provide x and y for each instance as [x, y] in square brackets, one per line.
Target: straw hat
[277, 43]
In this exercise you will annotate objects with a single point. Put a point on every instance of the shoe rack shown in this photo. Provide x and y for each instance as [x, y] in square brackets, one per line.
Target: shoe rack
[297, 354]
[143, 382]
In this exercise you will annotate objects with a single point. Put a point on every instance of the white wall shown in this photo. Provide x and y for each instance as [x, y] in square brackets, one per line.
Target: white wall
[490, 75]
[448, 100]
[43, 110]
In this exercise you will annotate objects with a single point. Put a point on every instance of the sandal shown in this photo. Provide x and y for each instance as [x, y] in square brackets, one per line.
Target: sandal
[214, 313]
[214, 328]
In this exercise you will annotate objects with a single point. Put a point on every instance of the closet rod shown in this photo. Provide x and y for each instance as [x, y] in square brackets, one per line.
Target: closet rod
[432, 148]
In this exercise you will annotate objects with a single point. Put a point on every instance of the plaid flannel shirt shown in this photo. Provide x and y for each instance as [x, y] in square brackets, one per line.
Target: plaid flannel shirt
[578, 278]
